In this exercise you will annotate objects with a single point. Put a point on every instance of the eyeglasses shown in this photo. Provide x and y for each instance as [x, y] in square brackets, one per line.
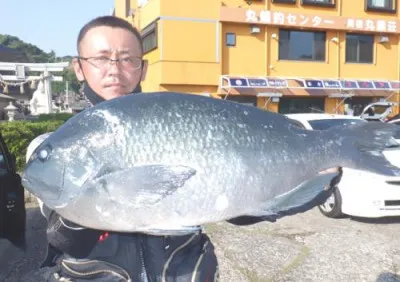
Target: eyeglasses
[103, 62]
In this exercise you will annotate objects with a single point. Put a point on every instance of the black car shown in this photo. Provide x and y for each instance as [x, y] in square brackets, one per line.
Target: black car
[12, 202]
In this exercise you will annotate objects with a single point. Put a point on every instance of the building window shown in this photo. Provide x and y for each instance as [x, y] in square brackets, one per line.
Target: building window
[301, 45]
[230, 39]
[326, 3]
[381, 5]
[359, 48]
[355, 105]
[292, 105]
[283, 1]
[149, 37]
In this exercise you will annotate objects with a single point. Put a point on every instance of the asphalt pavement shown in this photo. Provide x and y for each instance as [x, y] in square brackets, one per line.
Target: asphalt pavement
[14, 263]
[305, 247]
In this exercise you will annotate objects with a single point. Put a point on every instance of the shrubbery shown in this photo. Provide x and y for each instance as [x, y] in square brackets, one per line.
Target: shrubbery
[18, 134]
[53, 117]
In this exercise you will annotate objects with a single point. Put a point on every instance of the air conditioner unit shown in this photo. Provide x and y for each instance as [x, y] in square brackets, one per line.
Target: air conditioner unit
[254, 29]
[383, 39]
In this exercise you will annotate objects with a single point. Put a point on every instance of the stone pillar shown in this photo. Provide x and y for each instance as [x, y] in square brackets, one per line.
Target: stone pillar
[47, 91]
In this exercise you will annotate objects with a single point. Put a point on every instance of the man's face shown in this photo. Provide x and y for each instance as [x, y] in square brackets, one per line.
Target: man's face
[110, 79]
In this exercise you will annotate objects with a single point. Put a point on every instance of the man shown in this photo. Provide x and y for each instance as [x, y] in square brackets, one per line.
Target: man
[110, 64]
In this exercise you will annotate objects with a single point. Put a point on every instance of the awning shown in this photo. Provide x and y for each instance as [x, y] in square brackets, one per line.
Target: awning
[280, 86]
[270, 92]
[371, 93]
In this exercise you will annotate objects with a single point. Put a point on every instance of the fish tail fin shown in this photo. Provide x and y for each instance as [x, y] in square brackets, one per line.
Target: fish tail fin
[362, 146]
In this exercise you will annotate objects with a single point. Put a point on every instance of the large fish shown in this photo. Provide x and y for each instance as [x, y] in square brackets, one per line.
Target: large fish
[161, 163]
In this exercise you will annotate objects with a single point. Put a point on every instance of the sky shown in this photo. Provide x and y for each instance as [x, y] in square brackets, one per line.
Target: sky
[50, 24]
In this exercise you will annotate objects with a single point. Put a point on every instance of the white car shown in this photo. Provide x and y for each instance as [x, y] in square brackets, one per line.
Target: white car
[359, 193]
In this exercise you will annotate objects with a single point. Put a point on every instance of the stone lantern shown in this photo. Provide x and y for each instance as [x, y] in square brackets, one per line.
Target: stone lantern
[11, 111]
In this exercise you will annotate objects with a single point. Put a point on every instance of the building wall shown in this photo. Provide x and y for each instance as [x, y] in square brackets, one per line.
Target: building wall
[194, 89]
[204, 9]
[148, 13]
[249, 56]
[191, 52]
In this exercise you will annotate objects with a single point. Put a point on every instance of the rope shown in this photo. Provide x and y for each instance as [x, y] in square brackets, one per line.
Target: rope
[21, 84]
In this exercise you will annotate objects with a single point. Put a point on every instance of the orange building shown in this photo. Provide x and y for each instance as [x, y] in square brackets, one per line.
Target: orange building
[281, 55]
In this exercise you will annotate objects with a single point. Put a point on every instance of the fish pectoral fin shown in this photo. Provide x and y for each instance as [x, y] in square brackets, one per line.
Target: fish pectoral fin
[143, 184]
[304, 197]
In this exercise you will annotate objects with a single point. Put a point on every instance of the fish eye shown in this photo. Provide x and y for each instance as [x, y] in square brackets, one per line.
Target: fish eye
[44, 153]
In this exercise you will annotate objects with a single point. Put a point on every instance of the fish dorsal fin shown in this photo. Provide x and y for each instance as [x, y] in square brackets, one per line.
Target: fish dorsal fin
[141, 185]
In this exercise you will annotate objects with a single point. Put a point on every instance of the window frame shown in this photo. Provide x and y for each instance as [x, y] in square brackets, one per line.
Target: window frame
[150, 30]
[226, 39]
[331, 4]
[299, 105]
[314, 41]
[358, 49]
[369, 8]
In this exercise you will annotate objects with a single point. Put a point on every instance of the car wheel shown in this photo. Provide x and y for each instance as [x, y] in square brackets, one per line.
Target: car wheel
[333, 206]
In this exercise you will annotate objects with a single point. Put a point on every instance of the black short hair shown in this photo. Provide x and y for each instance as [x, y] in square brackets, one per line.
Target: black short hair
[110, 21]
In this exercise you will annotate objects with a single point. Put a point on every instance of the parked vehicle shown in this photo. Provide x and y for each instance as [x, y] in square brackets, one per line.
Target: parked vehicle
[378, 111]
[359, 193]
[12, 202]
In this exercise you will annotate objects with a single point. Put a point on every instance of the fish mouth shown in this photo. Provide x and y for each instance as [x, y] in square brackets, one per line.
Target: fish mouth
[43, 190]
[49, 199]
[58, 189]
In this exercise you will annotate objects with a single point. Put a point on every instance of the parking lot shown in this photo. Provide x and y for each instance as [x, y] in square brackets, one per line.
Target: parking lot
[309, 247]
[305, 247]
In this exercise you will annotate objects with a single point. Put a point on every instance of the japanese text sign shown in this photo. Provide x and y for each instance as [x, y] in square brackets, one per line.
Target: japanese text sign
[281, 18]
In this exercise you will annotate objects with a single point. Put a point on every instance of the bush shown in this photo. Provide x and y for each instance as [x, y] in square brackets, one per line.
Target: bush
[53, 117]
[18, 135]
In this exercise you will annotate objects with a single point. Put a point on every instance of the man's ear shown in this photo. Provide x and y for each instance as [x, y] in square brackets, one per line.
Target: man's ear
[144, 70]
[78, 70]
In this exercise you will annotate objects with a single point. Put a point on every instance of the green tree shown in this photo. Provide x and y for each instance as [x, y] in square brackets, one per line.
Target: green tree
[18, 134]
[33, 53]
[36, 55]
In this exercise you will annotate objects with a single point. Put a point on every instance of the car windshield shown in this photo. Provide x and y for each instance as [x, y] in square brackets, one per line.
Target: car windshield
[323, 124]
